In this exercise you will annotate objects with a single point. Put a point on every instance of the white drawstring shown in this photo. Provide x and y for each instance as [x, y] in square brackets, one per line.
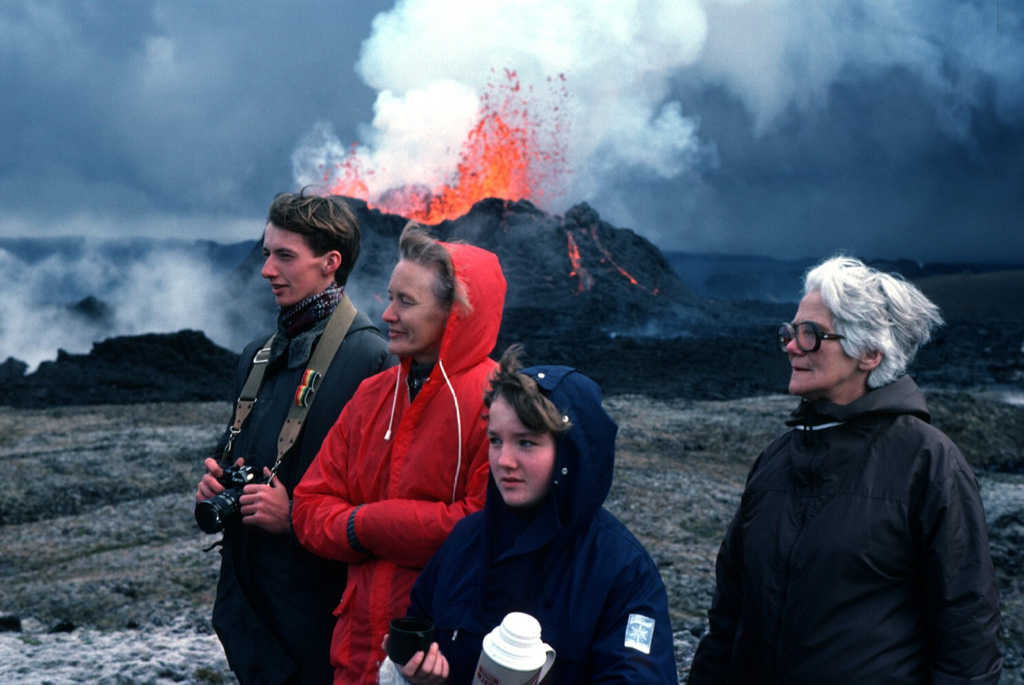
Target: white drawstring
[458, 426]
[458, 420]
[394, 401]
[822, 426]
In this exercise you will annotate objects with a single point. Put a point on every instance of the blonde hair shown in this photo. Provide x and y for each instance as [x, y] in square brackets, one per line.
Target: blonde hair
[417, 245]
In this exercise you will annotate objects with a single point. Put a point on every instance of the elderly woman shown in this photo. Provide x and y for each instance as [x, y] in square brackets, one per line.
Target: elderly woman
[859, 552]
[545, 546]
[407, 458]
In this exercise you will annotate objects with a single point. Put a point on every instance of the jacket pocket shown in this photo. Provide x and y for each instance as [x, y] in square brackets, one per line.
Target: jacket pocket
[346, 598]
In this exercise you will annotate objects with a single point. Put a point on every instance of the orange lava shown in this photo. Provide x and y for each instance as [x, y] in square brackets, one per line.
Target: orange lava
[578, 271]
[508, 154]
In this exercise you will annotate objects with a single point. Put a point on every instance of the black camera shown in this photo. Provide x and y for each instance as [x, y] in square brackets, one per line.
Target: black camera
[214, 513]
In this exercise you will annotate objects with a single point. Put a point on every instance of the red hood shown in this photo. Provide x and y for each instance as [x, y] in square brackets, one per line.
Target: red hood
[470, 337]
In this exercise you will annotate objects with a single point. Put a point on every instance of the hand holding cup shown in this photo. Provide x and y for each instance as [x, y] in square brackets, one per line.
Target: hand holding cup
[409, 635]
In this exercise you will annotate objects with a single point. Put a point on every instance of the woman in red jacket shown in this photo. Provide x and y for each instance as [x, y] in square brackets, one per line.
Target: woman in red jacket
[407, 458]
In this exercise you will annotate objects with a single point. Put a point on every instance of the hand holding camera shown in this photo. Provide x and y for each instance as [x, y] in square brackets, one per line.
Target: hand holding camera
[241, 491]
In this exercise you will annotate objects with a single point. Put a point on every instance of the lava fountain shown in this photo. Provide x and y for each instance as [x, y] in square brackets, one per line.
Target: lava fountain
[511, 153]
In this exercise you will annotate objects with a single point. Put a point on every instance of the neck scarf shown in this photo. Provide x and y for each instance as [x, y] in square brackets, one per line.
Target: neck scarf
[302, 316]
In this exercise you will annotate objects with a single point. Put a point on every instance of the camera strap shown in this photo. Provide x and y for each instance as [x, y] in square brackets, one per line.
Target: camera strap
[245, 402]
[337, 328]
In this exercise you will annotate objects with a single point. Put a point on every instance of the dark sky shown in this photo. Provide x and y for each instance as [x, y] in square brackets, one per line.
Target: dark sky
[791, 128]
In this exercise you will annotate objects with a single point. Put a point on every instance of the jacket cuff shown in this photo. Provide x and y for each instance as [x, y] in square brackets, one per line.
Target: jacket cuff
[350, 531]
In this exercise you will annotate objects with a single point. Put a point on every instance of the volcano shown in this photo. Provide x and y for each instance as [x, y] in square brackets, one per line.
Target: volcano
[581, 292]
[571, 275]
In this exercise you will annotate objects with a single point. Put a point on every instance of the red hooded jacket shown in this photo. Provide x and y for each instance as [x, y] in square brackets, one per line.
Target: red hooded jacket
[413, 471]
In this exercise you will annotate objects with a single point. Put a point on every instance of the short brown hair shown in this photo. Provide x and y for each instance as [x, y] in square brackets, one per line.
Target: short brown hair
[325, 222]
[532, 407]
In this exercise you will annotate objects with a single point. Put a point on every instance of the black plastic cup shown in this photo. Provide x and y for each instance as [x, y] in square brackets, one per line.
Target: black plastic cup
[406, 636]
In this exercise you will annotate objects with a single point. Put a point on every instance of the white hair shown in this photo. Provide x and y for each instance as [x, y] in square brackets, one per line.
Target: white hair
[874, 311]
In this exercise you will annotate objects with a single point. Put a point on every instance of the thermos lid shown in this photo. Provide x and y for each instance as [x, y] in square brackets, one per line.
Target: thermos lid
[516, 644]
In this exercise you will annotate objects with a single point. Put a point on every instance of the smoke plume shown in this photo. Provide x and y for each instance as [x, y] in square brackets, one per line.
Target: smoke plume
[431, 62]
[68, 294]
[637, 75]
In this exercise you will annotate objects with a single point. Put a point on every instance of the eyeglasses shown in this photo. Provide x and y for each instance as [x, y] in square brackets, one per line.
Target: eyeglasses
[808, 335]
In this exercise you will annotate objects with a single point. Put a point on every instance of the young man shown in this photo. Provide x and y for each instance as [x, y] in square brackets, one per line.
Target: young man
[274, 604]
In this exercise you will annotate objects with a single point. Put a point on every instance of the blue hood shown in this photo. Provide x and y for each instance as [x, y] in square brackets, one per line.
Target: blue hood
[584, 462]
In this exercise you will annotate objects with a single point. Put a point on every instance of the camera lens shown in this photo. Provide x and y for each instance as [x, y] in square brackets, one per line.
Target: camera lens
[212, 514]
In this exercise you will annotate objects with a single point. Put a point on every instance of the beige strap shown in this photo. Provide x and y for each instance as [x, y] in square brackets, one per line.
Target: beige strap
[337, 328]
[247, 399]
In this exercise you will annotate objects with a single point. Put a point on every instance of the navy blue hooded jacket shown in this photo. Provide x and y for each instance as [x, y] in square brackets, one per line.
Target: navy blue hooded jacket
[575, 567]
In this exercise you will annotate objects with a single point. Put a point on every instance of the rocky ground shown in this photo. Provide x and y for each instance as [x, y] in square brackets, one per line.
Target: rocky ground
[103, 578]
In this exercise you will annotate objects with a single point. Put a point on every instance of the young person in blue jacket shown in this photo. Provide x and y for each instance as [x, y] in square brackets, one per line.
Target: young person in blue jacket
[544, 545]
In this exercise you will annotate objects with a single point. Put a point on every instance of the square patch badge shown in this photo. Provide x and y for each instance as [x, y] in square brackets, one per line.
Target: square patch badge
[639, 633]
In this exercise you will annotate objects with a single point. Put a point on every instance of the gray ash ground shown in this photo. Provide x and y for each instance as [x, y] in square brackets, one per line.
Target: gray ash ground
[103, 578]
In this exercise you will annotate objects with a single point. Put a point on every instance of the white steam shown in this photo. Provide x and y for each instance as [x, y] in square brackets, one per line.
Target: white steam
[159, 290]
[431, 61]
[629, 66]
[168, 292]
[780, 54]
